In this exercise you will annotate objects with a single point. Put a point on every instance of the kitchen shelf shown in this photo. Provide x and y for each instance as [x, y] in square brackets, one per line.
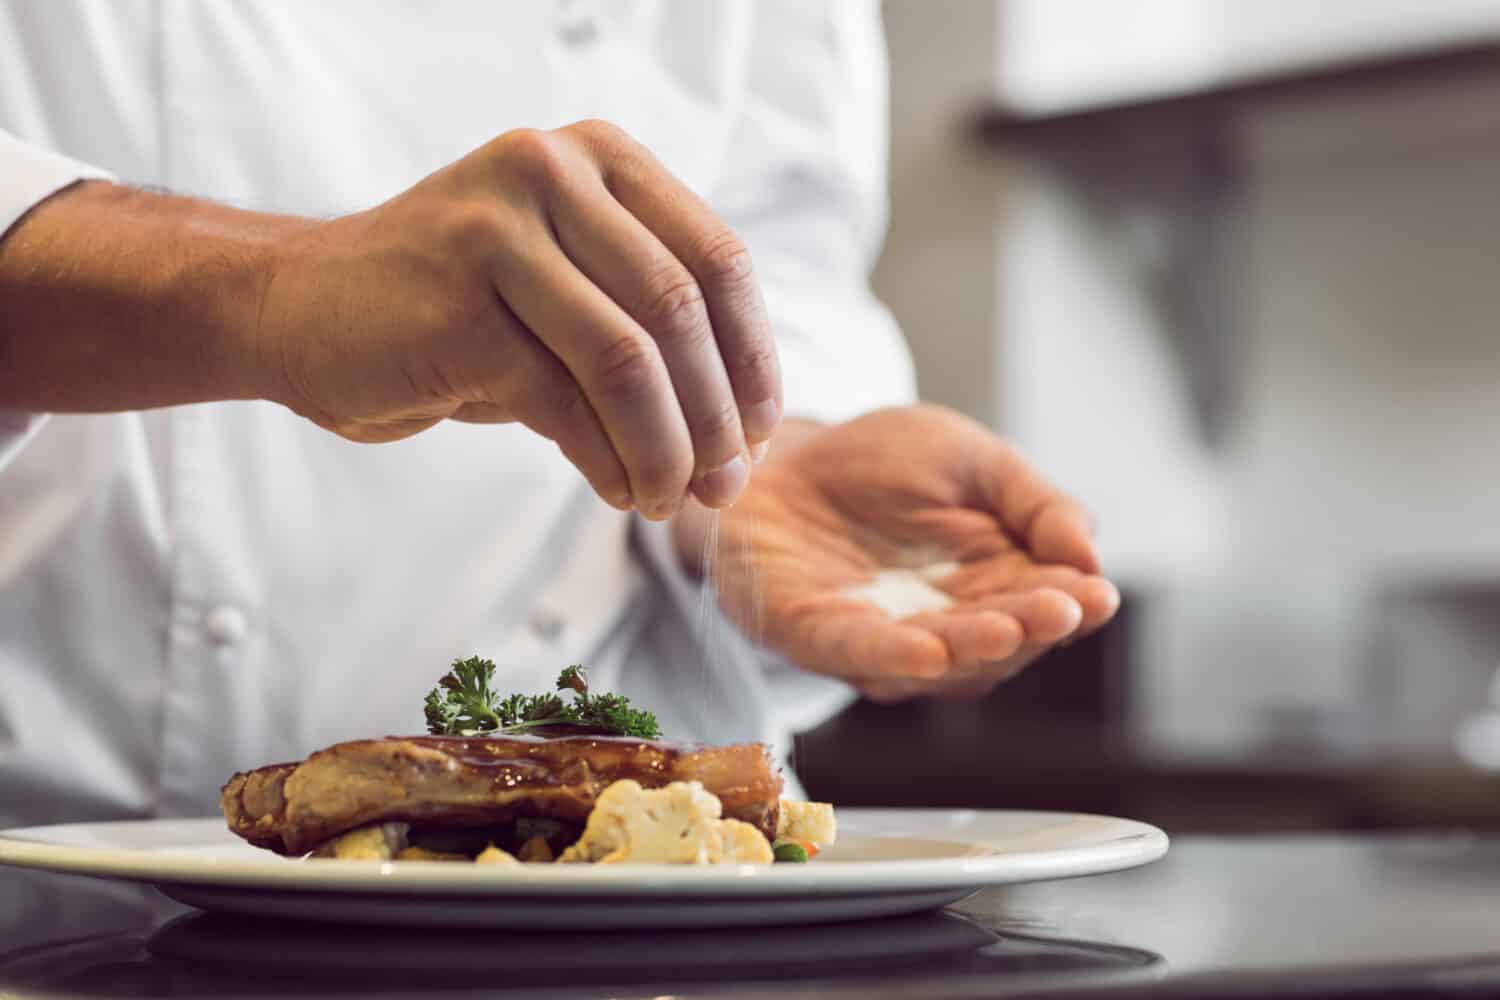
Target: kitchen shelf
[1001, 125]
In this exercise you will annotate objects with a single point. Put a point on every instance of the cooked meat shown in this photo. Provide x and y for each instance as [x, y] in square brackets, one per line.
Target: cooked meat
[436, 782]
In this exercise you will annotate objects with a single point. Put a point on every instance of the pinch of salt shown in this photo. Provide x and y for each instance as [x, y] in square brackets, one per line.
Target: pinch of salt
[903, 592]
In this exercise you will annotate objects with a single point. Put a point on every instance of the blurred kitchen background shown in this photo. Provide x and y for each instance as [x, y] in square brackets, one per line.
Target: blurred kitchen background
[1231, 273]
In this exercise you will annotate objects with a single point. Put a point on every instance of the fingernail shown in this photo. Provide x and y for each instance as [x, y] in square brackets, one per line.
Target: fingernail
[760, 421]
[720, 487]
[758, 452]
[662, 512]
[1075, 619]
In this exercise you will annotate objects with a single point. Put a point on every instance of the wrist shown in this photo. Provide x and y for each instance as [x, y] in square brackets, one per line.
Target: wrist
[224, 287]
[161, 291]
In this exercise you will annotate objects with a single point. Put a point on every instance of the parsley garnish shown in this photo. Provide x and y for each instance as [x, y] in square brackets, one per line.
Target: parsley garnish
[464, 704]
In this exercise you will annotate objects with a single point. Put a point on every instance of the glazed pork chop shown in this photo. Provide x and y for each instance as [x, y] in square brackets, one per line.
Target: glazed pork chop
[453, 782]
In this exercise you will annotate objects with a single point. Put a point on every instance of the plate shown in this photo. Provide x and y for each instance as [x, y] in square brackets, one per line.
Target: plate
[887, 862]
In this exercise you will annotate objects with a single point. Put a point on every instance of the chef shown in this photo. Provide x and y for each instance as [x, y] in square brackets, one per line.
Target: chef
[339, 340]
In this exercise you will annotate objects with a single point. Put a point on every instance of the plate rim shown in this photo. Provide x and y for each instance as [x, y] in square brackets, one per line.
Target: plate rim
[1138, 843]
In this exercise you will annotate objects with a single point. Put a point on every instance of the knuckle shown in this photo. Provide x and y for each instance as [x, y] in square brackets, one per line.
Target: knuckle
[469, 226]
[435, 315]
[560, 398]
[537, 155]
[758, 357]
[725, 261]
[626, 368]
[600, 133]
[721, 421]
[674, 308]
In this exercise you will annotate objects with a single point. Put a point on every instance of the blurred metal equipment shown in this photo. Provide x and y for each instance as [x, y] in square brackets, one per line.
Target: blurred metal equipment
[1172, 165]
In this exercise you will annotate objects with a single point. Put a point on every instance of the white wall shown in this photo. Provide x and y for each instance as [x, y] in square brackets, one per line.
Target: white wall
[937, 271]
[1060, 54]
[1367, 454]
[1370, 441]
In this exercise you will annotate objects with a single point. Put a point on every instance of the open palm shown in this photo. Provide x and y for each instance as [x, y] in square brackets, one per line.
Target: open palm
[907, 489]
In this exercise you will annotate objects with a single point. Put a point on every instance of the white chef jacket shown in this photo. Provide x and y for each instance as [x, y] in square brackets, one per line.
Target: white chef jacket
[189, 591]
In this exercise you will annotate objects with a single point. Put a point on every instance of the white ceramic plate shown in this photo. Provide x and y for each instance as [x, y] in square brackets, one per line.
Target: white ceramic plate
[886, 862]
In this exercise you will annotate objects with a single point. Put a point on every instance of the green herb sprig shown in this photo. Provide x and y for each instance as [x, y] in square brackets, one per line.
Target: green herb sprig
[465, 703]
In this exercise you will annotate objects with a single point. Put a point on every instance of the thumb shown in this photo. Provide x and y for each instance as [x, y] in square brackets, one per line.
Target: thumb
[1062, 531]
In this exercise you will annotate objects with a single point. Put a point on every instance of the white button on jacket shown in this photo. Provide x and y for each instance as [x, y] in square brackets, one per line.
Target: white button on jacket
[141, 553]
[225, 625]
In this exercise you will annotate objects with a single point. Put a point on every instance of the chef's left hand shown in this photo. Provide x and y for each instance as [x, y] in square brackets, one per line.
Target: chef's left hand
[905, 488]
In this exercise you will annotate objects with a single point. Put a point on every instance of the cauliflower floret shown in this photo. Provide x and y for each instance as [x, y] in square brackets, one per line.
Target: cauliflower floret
[377, 842]
[744, 844]
[678, 824]
[807, 821]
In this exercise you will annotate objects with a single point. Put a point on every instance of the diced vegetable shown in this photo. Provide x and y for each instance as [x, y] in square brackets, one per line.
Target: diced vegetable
[790, 851]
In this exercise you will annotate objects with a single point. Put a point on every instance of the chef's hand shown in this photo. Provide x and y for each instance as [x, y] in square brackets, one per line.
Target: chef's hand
[561, 279]
[905, 488]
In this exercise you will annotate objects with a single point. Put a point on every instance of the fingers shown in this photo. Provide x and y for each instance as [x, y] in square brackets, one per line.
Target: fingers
[1099, 599]
[719, 263]
[977, 637]
[1036, 619]
[649, 301]
[863, 642]
[992, 640]
[544, 396]
[1062, 532]
[629, 263]
[616, 364]
[860, 642]
[1052, 526]
[1096, 596]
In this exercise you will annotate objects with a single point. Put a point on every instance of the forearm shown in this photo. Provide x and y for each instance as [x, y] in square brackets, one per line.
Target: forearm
[117, 299]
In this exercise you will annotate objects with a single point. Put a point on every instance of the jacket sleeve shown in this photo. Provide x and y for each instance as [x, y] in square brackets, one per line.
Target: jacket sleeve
[804, 184]
[28, 176]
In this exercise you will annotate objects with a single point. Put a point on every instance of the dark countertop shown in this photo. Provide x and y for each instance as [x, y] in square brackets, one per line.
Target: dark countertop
[1319, 915]
[1088, 767]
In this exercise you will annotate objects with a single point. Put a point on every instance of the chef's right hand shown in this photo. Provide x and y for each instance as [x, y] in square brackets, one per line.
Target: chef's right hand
[561, 279]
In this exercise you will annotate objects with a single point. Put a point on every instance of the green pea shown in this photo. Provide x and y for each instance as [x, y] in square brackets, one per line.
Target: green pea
[789, 852]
